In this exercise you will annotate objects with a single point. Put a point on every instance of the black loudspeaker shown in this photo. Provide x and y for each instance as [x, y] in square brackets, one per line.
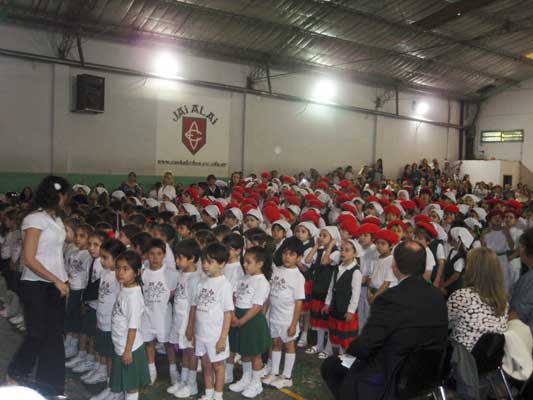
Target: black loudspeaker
[90, 94]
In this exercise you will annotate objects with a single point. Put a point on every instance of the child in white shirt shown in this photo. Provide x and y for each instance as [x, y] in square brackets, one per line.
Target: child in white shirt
[187, 254]
[129, 371]
[210, 319]
[159, 284]
[370, 254]
[381, 275]
[166, 233]
[286, 297]
[234, 273]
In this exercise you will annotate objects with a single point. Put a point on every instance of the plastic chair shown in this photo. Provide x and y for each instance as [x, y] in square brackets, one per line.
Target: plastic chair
[421, 374]
[488, 353]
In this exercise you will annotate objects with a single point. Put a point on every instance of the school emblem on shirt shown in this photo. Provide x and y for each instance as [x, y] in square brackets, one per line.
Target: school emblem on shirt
[194, 129]
[278, 284]
[206, 297]
[153, 292]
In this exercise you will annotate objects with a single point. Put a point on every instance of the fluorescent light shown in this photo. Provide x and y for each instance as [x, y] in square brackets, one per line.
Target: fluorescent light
[421, 108]
[324, 90]
[165, 65]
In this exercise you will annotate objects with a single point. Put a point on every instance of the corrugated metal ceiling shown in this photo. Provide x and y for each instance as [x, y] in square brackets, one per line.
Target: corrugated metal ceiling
[471, 54]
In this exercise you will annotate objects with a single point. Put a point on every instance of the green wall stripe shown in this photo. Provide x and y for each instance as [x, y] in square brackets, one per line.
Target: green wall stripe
[15, 181]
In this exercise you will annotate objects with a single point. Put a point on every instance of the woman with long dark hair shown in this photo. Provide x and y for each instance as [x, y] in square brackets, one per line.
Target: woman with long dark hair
[44, 290]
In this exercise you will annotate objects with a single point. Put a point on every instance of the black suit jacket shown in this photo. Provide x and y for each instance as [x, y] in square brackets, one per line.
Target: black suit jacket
[405, 317]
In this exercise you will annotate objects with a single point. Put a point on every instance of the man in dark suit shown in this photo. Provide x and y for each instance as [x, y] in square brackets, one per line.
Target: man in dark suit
[408, 316]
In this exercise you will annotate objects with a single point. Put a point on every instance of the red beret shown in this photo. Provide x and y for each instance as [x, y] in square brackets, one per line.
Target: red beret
[204, 202]
[262, 185]
[344, 183]
[429, 228]
[371, 199]
[293, 200]
[288, 179]
[220, 207]
[372, 220]
[322, 185]
[271, 212]
[387, 235]
[239, 189]
[251, 202]
[399, 223]
[494, 201]
[349, 207]
[419, 202]
[192, 192]
[315, 203]
[387, 192]
[350, 226]
[367, 229]
[346, 216]
[310, 196]
[247, 208]
[269, 203]
[275, 199]
[342, 198]
[451, 209]
[422, 218]
[392, 210]
[286, 213]
[255, 195]
[517, 205]
[384, 202]
[265, 175]
[231, 204]
[516, 213]
[312, 216]
[237, 196]
[408, 204]
[441, 204]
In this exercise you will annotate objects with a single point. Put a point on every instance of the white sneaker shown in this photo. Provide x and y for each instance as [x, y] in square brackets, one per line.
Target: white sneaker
[302, 342]
[267, 380]
[240, 385]
[252, 391]
[115, 396]
[186, 391]
[206, 397]
[76, 360]
[84, 366]
[71, 351]
[17, 319]
[174, 378]
[282, 382]
[98, 377]
[174, 388]
[89, 374]
[104, 394]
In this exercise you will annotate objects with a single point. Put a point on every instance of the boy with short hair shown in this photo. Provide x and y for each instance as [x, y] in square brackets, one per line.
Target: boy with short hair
[381, 275]
[184, 225]
[210, 319]
[187, 255]
[286, 297]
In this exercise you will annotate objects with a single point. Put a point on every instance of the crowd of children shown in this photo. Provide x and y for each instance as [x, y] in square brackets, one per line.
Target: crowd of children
[247, 275]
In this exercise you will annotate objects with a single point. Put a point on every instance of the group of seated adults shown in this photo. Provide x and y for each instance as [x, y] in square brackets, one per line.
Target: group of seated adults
[414, 315]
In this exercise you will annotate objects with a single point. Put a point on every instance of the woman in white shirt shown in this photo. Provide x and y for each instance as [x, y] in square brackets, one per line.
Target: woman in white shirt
[167, 191]
[44, 289]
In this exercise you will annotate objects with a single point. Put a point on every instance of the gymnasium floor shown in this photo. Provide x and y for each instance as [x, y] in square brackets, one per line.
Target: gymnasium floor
[307, 382]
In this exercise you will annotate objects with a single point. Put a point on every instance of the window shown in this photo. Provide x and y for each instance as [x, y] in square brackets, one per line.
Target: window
[502, 136]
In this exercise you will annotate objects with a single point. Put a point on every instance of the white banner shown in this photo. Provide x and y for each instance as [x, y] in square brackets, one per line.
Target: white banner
[193, 136]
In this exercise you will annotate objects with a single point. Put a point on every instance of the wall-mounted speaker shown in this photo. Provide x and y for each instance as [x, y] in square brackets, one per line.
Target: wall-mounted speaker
[90, 94]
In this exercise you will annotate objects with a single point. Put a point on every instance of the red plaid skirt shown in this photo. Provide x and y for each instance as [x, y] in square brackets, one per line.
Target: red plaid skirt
[318, 320]
[342, 333]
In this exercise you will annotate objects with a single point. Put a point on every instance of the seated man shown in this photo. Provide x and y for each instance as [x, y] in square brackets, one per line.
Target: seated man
[521, 306]
[410, 315]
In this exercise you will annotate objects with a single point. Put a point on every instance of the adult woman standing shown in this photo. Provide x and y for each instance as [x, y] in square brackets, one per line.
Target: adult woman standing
[481, 307]
[131, 186]
[43, 289]
[167, 191]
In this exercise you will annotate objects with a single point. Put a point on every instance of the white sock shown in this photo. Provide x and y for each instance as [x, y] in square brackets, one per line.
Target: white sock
[269, 363]
[218, 395]
[82, 353]
[320, 339]
[303, 336]
[289, 364]
[173, 372]
[209, 393]
[229, 368]
[132, 396]
[256, 377]
[152, 371]
[247, 370]
[329, 349]
[90, 357]
[184, 374]
[192, 377]
[102, 369]
[276, 360]
[74, 342]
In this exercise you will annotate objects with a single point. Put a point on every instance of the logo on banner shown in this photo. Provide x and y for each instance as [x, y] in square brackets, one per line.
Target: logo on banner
[194, 128]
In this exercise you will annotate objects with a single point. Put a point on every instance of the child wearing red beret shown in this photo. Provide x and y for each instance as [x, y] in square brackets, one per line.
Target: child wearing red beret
[381, 275]
[365, 236]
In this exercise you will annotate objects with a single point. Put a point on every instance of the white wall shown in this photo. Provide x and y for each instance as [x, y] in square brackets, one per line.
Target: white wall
[39, 133]
[510, 109]
[491, 171]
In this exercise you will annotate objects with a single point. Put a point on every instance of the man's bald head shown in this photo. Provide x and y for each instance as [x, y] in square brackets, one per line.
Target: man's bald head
[410, 258]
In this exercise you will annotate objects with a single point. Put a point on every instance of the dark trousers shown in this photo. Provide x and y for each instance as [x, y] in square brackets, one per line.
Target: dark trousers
[44, 313]
[357, 383]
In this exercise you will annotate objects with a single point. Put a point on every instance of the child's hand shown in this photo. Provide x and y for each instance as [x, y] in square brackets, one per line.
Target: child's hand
[370, 298]
[221, 345]
[127, 358]
[189, 334]
[235, 322]
[331, 244]
[325, 309]
[291, 331]
[348, 317]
